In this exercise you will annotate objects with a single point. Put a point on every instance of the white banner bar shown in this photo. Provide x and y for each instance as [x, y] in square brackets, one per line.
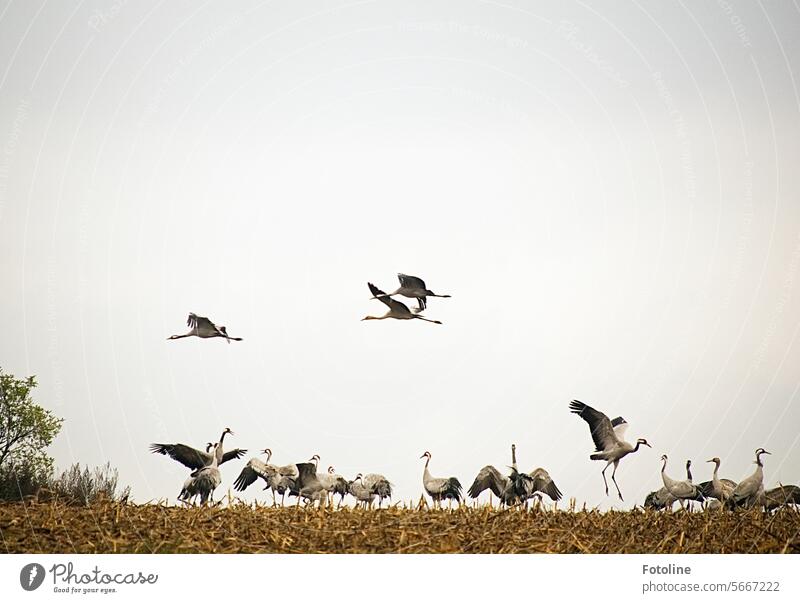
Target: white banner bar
[618, 578]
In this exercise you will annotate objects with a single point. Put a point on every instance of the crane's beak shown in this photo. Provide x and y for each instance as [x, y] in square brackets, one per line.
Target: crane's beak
[710, 461]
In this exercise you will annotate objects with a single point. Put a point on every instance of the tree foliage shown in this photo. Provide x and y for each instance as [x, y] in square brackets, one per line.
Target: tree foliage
[26, 430]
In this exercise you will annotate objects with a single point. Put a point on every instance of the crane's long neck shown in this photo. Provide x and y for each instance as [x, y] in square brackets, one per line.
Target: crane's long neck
[514, 458]
[715, 476]
[689, 471]
[218, 453]
[635, 448]
[426, 475]
[664, 477]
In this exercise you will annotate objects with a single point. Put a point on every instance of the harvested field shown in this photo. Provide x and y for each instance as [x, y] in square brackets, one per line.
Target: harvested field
[126, 528]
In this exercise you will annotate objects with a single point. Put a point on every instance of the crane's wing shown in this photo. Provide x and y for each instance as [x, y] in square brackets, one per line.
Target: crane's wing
[453, 488]
[792, 494]
[378, 484]
[706, 489]
[487, 478]
[186, 455]
[620, 426]
[306, 473]
[411, 282]
[542, 482]
[201, 323]
[393, 304]
[236, 453]
[783, 495]
[599, 425]
[254, 469]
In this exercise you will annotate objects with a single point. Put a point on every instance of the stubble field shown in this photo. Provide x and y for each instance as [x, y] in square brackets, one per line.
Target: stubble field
[51, 527]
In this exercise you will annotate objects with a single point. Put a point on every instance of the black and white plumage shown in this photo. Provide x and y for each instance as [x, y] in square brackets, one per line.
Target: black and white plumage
[278, 479]
[414, 287]
[184, 495]
[378, 485]
[509, 491]
[397, 309]
[749, 492]
[662, 499]
[681, 490]
[365, 488]
[202, 327]
[358, 490]
[203, 481]
[440, 488]
[721, 489]
[608, 439]
[539, 480]
[197, 459]
[515, 488]
[333, 483]
[307, 485]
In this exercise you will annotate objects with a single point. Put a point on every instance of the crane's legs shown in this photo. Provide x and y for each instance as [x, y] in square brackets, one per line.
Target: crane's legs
[614, 479]
[603, 473]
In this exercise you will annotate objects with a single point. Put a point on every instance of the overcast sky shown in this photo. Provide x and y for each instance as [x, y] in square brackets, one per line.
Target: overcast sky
[609, 193]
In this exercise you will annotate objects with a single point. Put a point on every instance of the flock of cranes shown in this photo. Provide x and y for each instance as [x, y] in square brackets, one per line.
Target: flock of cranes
[304, 480]
[307, 483]
[608, 436]
[720, 492]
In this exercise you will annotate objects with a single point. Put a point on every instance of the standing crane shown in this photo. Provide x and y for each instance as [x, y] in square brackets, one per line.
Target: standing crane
[413, 287]
[202, 327]
[680, 490]
[662, 499]
[379, 486]
[608, 439]
[333, 483]
[397, 309]
[360, 492]
[750, 490]
[440, 488]
[278, 479]
[721, 489]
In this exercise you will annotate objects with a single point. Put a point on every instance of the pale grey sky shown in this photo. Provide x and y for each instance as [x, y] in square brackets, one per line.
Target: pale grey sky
[609, 192]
